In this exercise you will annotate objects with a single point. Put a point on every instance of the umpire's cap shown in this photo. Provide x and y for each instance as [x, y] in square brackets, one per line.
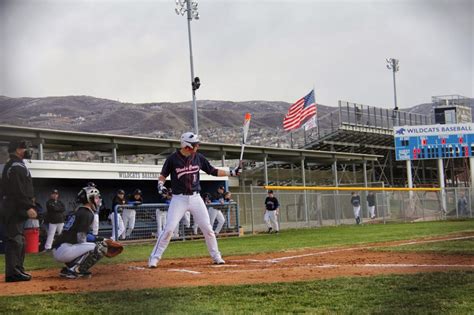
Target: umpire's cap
[270, 191]
[17, 144]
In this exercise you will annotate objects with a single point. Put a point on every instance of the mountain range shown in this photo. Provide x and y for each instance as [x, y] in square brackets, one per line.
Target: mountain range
[219, 121]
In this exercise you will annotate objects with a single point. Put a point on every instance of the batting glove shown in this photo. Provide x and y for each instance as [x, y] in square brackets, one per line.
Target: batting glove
[161, 188]
[235, 171]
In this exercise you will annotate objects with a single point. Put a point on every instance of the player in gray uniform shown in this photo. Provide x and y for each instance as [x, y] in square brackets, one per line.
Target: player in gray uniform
[184, 166]
[76, 246]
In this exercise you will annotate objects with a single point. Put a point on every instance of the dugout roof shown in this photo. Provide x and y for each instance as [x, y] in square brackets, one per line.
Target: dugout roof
[64, 141]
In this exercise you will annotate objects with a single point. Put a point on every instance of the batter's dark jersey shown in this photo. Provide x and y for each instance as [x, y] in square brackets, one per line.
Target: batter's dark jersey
[79, 222]
[184, 172]
[271, 203]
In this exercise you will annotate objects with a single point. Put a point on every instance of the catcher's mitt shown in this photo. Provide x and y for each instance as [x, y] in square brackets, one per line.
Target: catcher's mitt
[113, 248]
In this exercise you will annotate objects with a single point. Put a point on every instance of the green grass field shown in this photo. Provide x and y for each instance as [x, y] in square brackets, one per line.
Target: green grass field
[427, 293]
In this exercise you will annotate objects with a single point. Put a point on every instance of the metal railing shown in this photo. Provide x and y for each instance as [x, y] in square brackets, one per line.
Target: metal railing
[146, 221]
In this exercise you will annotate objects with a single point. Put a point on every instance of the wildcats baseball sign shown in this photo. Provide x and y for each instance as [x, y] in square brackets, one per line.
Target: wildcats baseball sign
[433, 130]
[434, 141]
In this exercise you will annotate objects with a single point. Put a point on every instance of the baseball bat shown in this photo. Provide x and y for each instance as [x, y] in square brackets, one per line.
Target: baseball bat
[245, 131]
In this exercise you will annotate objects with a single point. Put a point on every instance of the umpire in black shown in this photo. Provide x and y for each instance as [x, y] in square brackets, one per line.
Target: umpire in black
[18, 206]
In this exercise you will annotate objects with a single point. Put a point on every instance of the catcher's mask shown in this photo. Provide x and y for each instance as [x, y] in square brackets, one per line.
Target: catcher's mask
[90, 195]
[189, 140]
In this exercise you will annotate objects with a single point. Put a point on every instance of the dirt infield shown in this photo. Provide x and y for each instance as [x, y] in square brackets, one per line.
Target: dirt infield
[289, 266]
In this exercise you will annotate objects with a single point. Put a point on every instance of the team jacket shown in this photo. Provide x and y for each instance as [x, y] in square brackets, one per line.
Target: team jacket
[185, 172]
[371, 200]
[56, 211]
[118, 201]
[271, 204]
[17, 189]
[355, 201]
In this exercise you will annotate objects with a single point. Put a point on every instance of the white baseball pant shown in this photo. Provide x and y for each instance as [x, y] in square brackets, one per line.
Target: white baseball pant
[270, 219]
[372, 212]
[53, 228]
[160, 221]
[178, 206]
[128, 217]
[186, 219]
[356, 211]
[216, 214]
[121, 226]
[95, 224]
[68, 252]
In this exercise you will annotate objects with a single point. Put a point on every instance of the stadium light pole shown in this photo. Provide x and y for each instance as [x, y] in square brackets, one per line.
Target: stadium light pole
[190, 7]
[392, 64]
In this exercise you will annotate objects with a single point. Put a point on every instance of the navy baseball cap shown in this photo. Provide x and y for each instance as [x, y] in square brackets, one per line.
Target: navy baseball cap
[13, 145]
[54, 191]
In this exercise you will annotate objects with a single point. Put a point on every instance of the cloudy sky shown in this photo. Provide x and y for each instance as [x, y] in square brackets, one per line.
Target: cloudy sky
[137, 50]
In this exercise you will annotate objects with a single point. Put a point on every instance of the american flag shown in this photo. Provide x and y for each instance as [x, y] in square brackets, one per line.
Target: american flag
[303, 108]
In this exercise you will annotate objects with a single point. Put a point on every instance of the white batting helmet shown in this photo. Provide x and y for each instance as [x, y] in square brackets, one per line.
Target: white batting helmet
[189, 139]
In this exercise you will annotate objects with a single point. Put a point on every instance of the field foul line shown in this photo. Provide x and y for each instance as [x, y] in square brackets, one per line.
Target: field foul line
[277, 260]
[328, 266]
[434, 241]
[186, 271]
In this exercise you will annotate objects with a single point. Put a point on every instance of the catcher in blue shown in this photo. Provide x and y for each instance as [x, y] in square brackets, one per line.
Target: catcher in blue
[184, 166]
[76, 246]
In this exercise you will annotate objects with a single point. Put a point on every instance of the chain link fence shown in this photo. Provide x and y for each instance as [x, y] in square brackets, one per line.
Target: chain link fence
[146, 225]
[308, 208]
[303, 209]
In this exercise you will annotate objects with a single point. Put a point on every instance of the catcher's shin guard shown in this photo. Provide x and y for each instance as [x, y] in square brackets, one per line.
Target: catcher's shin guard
[89, 259]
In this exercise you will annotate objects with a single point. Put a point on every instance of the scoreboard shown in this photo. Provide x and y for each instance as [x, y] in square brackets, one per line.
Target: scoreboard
[434, 141]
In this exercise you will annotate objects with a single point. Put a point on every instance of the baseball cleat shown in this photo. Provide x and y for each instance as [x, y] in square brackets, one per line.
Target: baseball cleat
[68, 273]
[153, 262]
[269, 230]
[219, 261]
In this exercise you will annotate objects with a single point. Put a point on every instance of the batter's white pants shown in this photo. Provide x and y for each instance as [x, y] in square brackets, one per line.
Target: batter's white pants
[160, 221]
[53, 228]
[372, 211]
[270, 219]
[178, 206]
[186, 222]
[121, 226]
[68, 252]
[128, 221]
[356, 211]
[95, 224]
[216, 214]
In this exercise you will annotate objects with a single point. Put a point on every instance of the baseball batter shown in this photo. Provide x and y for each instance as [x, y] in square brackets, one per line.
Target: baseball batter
[184, 166]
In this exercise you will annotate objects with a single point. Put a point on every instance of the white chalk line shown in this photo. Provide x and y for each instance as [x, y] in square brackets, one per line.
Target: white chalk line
[276, 260]
[329, 266]
[186, 271]
[322, 266]
[335, 266]
[434, 241]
